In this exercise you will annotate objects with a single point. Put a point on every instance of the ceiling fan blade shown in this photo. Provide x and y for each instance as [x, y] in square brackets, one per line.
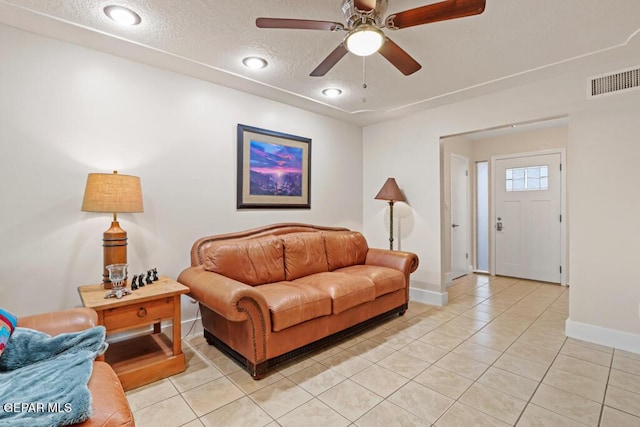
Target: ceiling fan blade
[331, 60]
[399, 58]
[449, 9]
[298, 24]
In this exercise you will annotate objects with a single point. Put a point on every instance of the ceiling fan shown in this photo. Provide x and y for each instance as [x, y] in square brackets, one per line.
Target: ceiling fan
[364, 23]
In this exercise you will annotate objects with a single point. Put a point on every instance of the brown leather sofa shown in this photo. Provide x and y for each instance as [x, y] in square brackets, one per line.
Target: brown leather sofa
[109, 404]
[272, 293]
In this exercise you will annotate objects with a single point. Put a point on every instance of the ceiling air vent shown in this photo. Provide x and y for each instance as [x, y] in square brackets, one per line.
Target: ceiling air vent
[610, 83]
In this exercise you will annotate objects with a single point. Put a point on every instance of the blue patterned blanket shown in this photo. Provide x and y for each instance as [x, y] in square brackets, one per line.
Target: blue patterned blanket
[43, 379]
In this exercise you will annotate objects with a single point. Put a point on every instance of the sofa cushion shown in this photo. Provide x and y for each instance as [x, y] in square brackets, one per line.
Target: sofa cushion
[304, 254]
[385, 279]
[345, 290]
[290, 305]
[345, 248]
[252, 261]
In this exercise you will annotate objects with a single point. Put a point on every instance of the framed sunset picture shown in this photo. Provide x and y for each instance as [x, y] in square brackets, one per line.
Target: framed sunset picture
[274, 169]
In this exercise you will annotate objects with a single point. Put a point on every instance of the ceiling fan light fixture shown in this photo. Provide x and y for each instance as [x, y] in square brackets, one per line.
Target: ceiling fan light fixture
[332, 92]
[122, 15]
[364, 40]
[254, 62]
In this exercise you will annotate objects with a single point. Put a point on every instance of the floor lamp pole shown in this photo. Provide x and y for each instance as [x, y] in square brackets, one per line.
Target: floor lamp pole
[391, 193]
[391, 225]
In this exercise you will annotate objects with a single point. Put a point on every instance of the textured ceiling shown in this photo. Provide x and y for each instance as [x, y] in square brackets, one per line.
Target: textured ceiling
[209, 38]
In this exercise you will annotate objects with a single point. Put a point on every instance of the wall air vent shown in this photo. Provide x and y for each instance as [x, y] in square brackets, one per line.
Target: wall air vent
[610, 83]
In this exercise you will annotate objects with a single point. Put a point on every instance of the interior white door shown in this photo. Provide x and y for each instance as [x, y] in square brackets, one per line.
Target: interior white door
[528, 217]
[459, 216]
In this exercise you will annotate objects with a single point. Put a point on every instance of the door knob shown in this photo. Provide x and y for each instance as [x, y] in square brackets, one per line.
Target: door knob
[499, 226]
[455, 225]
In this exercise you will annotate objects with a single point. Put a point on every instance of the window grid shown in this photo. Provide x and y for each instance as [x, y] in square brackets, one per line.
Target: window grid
[531, 178]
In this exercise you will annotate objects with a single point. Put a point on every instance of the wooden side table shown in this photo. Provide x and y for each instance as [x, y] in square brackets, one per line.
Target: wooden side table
[149, 356]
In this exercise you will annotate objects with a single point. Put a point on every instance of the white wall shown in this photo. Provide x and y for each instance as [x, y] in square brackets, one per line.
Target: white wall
[66, 111]
[604, 200]
[605, 207]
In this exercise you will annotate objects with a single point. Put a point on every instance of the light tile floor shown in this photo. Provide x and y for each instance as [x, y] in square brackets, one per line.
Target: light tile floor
[496, 355]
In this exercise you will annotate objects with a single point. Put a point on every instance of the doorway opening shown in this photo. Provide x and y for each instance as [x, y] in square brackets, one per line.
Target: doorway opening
[480, 148]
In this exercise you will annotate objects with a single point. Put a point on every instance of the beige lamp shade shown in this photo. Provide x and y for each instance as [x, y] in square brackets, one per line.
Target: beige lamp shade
[112, 193]
[391, 192]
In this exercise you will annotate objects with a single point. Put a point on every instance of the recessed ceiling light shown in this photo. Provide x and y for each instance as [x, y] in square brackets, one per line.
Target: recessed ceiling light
[122, 15]
[332, 92]
[254, 62]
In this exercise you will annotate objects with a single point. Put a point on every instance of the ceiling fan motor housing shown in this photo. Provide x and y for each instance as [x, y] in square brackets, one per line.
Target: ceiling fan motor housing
[355, 16]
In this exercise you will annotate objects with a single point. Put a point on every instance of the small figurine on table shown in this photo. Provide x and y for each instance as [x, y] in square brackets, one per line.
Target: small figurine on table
[141, 280]
[134, 284]
[155, 274]
[149, 279]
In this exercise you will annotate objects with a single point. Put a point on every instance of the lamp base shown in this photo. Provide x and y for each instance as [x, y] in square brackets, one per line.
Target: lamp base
[114, 243]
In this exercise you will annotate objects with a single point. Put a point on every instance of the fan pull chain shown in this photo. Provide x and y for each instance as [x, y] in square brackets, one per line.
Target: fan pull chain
[364, 76]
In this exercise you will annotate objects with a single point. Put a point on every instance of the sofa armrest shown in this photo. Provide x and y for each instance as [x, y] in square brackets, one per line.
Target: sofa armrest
[407, 262]
[58, 322]
[225, 296]
[109, 405]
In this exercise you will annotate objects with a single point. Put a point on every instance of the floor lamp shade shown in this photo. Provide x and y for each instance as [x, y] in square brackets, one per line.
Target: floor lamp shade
[113, 193]
[391, 193]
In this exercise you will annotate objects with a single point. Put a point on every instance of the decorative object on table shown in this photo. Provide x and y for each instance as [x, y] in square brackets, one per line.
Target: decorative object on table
[391, 193]
[149, 277]
[141, 280]
[274, 169]
[134, 283]
[117, 276]
[155, 274]
[113, 193]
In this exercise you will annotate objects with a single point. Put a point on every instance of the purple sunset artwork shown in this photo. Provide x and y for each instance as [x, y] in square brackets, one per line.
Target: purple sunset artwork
[275, 170]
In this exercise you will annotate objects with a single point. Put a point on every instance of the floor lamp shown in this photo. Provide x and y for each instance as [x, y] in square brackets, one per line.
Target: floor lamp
[391, 193]
[112, 193]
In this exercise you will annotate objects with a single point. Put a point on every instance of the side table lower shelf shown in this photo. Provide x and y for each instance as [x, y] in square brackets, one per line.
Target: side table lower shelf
[141, 360]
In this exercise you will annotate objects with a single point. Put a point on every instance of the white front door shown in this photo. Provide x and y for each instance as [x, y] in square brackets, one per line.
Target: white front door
[459, 216]
[527, 217]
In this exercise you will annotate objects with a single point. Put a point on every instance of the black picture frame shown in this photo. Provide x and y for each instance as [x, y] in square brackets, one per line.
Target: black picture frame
[274, 170]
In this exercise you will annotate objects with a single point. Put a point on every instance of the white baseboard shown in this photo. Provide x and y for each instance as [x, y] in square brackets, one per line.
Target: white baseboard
[192, 327]
[603, 336]
[428, 297]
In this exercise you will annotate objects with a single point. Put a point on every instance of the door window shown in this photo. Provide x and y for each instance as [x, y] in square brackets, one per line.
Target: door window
[527, 179]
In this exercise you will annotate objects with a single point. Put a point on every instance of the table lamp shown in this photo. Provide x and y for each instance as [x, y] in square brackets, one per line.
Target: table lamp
[112, 193]
[391, 193]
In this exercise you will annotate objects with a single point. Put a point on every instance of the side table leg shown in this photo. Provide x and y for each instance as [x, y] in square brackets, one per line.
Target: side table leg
[177, 331]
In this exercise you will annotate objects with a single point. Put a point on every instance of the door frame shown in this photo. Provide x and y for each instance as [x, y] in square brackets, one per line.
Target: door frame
[468, 218]
[564, 275]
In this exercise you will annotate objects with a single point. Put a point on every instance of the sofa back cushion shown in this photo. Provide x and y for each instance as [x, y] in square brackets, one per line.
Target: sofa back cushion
[304, 254]
[345, 248]
[251, 261]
